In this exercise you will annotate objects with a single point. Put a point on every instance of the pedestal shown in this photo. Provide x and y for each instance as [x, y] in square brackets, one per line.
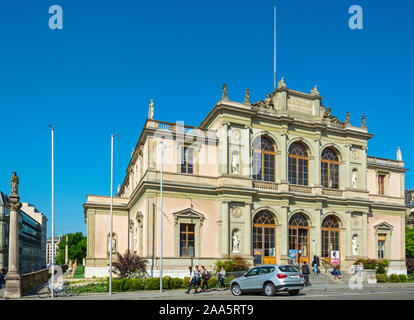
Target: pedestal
[13, 289]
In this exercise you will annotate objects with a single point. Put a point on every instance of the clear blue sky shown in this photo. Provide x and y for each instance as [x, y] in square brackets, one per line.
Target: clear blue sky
[97, 75]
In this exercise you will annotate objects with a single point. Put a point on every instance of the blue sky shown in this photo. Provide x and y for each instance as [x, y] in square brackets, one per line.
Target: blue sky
[97, 75]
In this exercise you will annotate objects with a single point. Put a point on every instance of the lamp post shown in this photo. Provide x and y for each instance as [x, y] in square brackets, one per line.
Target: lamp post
[110, 231]
[161, 215]
[53, 210]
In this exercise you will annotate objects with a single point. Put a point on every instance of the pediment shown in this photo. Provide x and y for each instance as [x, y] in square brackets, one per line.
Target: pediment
[189, 213]
[383, 226]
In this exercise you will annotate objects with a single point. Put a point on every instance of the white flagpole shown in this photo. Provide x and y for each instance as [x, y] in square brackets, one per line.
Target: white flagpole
[161, 216]
[53, 212]
[110, 231]
[274, 70]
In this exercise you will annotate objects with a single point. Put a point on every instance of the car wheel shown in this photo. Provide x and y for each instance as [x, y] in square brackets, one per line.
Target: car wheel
[269, 289]
[293, 292]
[235, 290]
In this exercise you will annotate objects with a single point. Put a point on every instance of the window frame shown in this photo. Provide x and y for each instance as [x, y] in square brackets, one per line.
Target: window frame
[330, 164]
[187, 233]
[262, 152]
[296, 159]
[184, 163]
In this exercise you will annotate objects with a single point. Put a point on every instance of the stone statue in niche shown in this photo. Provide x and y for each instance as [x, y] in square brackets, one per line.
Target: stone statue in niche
[355, 245]
[354, 179]
[236, 243]
[235, 162]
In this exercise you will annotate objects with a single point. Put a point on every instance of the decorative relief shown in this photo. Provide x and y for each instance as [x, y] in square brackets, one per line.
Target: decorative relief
[235, 134]
[236, 212]
[355, 154]
[355, 220]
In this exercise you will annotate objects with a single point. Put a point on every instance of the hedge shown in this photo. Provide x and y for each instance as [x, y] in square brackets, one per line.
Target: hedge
[382, 278]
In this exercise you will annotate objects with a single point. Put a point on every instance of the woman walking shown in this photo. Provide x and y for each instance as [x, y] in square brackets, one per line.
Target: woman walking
[204, 276]
[315, 265]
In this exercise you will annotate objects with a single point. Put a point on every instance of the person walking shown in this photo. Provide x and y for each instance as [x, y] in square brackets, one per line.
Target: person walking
[306, 272]
[315, 264]
[204, 277]
[221, 277]
[1, 277]
[197, 278]
[191, 282]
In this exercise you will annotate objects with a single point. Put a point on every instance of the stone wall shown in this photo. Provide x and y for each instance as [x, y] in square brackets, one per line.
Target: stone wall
[33, 280]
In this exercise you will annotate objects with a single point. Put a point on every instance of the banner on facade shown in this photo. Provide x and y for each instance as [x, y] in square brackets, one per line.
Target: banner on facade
[335, 257]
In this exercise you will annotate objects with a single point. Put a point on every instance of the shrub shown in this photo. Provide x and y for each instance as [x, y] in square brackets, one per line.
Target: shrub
[394, 278]
[128, 264]
[166, 282]
[135, 284]
[232, 263]
[152, 284]
[176, 283]
[186, 281]
[212, 282]
[382, 265]
[369, 264]
[382, 278]
[126, 284]
[402, 278]
[117, 285]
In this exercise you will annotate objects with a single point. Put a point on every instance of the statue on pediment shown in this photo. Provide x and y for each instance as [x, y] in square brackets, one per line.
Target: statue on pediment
[224, 96]
[14, 184]
[268, 103]
[151, 110]
[246, 97]
[364, 121]
[281, 83]
[314, 91]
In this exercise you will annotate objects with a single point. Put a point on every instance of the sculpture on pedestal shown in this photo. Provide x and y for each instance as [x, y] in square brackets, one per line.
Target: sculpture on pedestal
[355, 245]
[236, 243]
[235, 162]
[354, 179]
[151, 110]
[224, 96]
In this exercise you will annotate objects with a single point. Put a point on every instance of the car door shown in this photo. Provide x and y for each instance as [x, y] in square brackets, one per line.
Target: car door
[265, 273]
[248, 281]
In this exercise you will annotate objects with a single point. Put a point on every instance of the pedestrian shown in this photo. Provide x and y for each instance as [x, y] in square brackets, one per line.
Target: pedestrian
[337, 272]
[360, 268]
[205, 276]
[1, 277]
[306, 272]
[197, 278]
[315, 264]
[221, 277]
[191, 281]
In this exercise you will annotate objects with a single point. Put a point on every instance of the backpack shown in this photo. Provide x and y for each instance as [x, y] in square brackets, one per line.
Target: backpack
[207, 275]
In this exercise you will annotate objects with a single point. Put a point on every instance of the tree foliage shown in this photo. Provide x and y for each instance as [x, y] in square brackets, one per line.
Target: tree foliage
[409, 242]
[128, 264]
[77, 248]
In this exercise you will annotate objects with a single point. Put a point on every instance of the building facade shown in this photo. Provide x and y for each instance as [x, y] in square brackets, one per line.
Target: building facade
[32, 237]
[49, 248]
[262, 180]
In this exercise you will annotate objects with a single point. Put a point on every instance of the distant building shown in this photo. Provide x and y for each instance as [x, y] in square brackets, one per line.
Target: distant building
[49, 248]
[409, 200]
[32, 236]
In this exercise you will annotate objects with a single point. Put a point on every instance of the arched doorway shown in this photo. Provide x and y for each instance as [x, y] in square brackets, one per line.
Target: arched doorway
[264, 238]
[299, 237]
[331, 249]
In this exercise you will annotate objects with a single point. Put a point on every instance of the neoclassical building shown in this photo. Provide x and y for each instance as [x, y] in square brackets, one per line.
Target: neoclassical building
[263, 180]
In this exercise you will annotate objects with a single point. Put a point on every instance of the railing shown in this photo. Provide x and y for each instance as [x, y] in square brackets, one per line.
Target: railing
[33, 280]
[264, 185]
[300, 189]
[332, 192]
[385, 162]
[180, 128]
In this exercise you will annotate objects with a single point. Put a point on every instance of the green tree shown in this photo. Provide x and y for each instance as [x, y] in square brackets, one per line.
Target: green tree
[409, 242]
[77, 248]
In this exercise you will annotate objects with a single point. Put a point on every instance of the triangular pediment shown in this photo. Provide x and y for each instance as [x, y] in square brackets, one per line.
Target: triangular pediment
[189, 213]
[384, 226]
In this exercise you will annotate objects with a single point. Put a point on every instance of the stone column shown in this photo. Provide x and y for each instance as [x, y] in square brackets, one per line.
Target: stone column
[283, 247]
[13, 288]
[226, 228]
[67, 250]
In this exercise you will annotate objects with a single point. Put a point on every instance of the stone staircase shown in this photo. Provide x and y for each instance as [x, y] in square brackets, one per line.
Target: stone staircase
[325, 280]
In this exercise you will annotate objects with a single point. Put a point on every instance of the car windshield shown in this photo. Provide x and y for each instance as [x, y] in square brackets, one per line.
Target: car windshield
[288, 269]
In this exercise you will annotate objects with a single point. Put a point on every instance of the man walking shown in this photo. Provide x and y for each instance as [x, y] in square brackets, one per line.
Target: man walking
[306, 272]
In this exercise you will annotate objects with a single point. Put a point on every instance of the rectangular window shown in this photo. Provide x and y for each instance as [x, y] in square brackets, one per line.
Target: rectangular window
[187, 160]
[381, 189]
[187, 240]
[382, 241]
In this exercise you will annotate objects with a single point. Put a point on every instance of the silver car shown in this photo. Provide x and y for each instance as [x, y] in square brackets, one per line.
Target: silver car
[269, 279]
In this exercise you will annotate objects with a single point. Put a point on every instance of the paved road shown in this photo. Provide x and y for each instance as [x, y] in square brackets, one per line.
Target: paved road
[385, 293]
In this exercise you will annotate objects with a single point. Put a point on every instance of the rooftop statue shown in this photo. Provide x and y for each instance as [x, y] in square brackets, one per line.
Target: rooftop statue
[224, 97]
[246, 97]
[151, 110]
[14, 184]
[364, 121]
[314, 91]
[281, 83]
[268, 103]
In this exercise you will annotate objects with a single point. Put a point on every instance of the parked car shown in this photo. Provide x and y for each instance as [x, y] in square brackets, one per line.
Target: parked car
[269, 279]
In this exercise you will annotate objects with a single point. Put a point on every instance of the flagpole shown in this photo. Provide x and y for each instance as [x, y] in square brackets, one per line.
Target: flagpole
[53, 212]
[110, 231]
[274, 70]
[161, 216]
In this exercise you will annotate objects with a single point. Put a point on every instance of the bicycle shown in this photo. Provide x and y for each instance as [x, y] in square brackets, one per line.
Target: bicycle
[45, 291]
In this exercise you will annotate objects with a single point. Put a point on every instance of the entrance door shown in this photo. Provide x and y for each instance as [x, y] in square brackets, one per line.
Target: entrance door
[331, 240]
[299, 237]
[264, 239]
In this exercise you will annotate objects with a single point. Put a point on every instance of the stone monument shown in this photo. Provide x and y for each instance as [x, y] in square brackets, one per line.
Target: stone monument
[13, 289]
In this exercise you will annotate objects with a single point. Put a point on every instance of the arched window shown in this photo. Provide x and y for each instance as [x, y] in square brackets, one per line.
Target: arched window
[264, 238]
[298, 165]
[264, 160]
[330, 236]
[330, 169]
[299, 237]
